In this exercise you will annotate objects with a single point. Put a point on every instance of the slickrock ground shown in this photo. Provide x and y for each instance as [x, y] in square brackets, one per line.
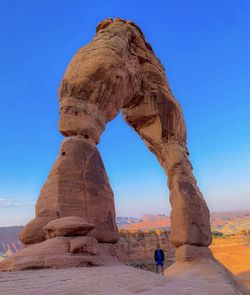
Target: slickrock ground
[114, 280]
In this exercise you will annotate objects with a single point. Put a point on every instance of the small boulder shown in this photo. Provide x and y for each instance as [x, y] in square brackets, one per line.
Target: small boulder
[83, 245]
[68, 227]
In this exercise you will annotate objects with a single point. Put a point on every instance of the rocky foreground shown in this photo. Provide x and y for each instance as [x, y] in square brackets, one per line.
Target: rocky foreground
[200, 277]
[196, 279]
[136, 249]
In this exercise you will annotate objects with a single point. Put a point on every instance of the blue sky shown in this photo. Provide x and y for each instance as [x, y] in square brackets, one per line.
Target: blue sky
[204, 46]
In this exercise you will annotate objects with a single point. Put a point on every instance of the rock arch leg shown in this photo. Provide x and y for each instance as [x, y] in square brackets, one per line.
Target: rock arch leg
[190, 224]
[100, 78]
[157, 117]
[77, 185]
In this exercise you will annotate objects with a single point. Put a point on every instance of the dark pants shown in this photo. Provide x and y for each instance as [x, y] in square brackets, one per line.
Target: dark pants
[159, 263]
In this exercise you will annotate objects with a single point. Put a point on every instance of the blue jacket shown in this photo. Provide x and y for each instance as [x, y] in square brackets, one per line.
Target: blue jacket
[161, 255]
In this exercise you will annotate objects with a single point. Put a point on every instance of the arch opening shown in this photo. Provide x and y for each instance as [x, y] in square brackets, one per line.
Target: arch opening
[137, 179]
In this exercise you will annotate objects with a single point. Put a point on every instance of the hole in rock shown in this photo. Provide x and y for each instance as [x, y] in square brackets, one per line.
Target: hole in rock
[140, 190]
[63, 154]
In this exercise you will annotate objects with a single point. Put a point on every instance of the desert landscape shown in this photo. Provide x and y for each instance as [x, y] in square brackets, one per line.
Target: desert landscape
[71, 238]
[231, 237]
[139, 237]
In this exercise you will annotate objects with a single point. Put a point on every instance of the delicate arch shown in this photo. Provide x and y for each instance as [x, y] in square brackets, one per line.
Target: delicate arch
[118, 70]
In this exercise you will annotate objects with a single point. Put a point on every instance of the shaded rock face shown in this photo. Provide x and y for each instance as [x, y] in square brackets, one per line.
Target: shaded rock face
[67, 226]
[33, 231]
[83, 245]
[118, 71]
[61, 252]
[77, 186]
[66, 245]
[137, 248]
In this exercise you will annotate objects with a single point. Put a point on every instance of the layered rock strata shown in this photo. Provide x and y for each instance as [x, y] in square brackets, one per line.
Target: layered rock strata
[76, 186]
[67, 244]
[137, 248]
[117, 71]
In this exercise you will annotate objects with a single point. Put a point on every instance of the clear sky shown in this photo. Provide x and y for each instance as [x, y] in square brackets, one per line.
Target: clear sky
[205, 48]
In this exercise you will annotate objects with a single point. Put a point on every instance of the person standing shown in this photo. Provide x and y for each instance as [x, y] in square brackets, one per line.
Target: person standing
[159, 258]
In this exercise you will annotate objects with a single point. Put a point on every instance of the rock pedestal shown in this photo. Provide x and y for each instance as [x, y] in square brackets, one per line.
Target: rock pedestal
[67, 244]
[76, 186]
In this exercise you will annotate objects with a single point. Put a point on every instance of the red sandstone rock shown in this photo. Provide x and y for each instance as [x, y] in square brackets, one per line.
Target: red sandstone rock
[67, 226]
[32, 232]
[83, 245]
[60, 252]
[33, 256]
[207, 276]
[76, 186]
[104, 24]
[118, 71]
[189, 253]
[137, 248]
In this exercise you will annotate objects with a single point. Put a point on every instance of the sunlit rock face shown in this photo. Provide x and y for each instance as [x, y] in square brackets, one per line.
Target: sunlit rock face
[117, 71]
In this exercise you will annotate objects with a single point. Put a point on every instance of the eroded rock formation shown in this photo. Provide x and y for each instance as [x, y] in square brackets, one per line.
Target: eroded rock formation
[67, 244]
[136, 248]
[118, 71]
[77, 186]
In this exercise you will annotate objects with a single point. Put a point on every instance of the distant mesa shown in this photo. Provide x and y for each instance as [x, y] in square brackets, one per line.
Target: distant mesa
[9, 242]
[222, 223]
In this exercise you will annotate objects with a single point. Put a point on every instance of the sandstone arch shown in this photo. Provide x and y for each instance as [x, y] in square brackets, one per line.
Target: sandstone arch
[75, 214]
[118, 71]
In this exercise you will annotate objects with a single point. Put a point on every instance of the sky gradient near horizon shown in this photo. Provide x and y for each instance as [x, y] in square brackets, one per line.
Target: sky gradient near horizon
[204, 47]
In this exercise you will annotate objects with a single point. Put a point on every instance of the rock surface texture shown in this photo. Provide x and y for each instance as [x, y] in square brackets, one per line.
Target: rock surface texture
[61, 252]
[67, 226]
[76, 186]
[117, 71]
[137, 248]
[194, 279]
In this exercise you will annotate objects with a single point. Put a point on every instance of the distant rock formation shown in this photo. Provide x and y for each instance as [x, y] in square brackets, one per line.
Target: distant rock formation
[123, 221]
[226, 222]
[9, 239]
[148, 222]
